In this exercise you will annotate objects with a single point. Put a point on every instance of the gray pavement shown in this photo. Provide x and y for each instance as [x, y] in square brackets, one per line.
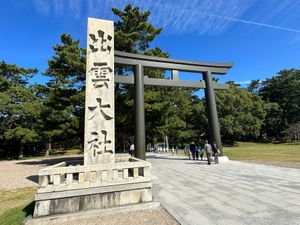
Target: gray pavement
[230, 193]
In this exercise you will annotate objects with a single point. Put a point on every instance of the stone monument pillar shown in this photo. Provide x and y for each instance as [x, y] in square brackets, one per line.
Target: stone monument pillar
[100, 180]
[99, 138]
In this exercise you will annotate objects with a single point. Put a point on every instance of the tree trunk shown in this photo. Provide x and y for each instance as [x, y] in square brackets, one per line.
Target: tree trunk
[167, 141]
[48, 149]
[21, 150]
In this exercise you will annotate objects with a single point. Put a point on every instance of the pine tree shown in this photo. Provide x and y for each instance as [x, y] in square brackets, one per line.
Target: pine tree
[20, 109]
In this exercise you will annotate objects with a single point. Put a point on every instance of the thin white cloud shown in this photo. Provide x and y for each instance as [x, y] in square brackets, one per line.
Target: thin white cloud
[42, 6]
[75, 7]
[193, 16]
[245, 82]
[182, 16]
[176, 16]
[256, 23]
[59, 6]
[278, 10]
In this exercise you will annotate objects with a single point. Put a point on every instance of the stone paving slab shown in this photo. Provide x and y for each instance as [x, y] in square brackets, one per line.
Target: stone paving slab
[229, 193]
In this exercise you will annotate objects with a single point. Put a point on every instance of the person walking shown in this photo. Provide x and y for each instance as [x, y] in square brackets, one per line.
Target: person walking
[177, 150]
[131, 150]
[193, 149]
[201, 152]
[173, 151]
[216, 152]
[208, 151]
[197, 153]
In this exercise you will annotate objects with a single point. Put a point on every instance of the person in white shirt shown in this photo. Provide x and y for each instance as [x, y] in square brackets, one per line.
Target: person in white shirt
[208, 151]
[131, 150]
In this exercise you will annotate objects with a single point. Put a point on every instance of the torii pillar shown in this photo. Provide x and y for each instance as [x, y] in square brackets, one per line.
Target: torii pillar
[212, 114]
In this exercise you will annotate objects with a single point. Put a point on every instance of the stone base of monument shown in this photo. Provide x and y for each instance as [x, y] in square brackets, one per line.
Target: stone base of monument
[72, 187]
[222, 159]
[91, 215]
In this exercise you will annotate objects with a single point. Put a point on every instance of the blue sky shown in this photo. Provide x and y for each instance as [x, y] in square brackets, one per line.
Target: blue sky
[261, 37]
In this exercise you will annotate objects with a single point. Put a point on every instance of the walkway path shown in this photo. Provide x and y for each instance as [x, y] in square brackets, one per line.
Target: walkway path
[195, 193]
[230, 193]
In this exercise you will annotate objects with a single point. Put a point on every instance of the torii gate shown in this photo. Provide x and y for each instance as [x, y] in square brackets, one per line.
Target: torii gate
[103, 180]
[139, 80]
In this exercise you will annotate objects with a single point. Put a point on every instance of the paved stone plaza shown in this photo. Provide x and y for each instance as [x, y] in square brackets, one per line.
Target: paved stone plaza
[230, 193]
[195, 193]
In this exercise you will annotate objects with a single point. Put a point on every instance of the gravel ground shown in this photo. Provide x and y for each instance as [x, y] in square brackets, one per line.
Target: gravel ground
[147, 217]
[16, 174]
[158, 216]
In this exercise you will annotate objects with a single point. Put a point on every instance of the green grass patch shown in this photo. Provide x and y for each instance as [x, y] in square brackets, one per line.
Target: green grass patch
[15, 216]
[16, 205]
[288, 153]
[65, 152]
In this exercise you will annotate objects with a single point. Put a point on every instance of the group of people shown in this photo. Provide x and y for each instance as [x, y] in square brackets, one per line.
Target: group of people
[163, 149]
[194, 151]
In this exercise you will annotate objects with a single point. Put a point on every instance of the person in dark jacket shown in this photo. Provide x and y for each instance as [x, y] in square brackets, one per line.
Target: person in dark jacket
[193, 149]
[216, 152]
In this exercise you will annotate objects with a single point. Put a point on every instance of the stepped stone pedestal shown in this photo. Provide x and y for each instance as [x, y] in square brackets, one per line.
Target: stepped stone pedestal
[72, 188]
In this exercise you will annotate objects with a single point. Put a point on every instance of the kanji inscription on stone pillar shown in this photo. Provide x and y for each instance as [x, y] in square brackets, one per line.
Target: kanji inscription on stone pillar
[99, 134]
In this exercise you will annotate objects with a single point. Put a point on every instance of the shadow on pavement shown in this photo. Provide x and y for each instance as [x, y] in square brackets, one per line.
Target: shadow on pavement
[53, 161]
[164, 157]
[33, 178]
[204, 163]
[188, 161]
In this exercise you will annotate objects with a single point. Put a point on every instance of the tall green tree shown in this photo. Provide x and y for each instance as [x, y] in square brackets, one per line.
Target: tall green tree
[273, 123]
[20, 109]
[240, 112]
[133, 32]
[281, 95]
[284, 89]
[64, 101]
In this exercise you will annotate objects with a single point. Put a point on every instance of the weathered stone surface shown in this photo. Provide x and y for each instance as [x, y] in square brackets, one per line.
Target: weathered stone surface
[124, 171]
[99, 101]
[41, 208]
[91, 190]
[70, 203]
[64, 205]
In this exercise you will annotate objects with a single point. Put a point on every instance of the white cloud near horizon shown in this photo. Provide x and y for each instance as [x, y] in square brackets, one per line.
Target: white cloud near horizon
[245, 82]
[181, 16]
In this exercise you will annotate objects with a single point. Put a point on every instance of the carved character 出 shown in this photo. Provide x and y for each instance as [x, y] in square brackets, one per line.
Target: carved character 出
[100, 41]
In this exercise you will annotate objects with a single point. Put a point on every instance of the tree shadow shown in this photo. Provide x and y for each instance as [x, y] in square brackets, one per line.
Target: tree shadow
[74, 160]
